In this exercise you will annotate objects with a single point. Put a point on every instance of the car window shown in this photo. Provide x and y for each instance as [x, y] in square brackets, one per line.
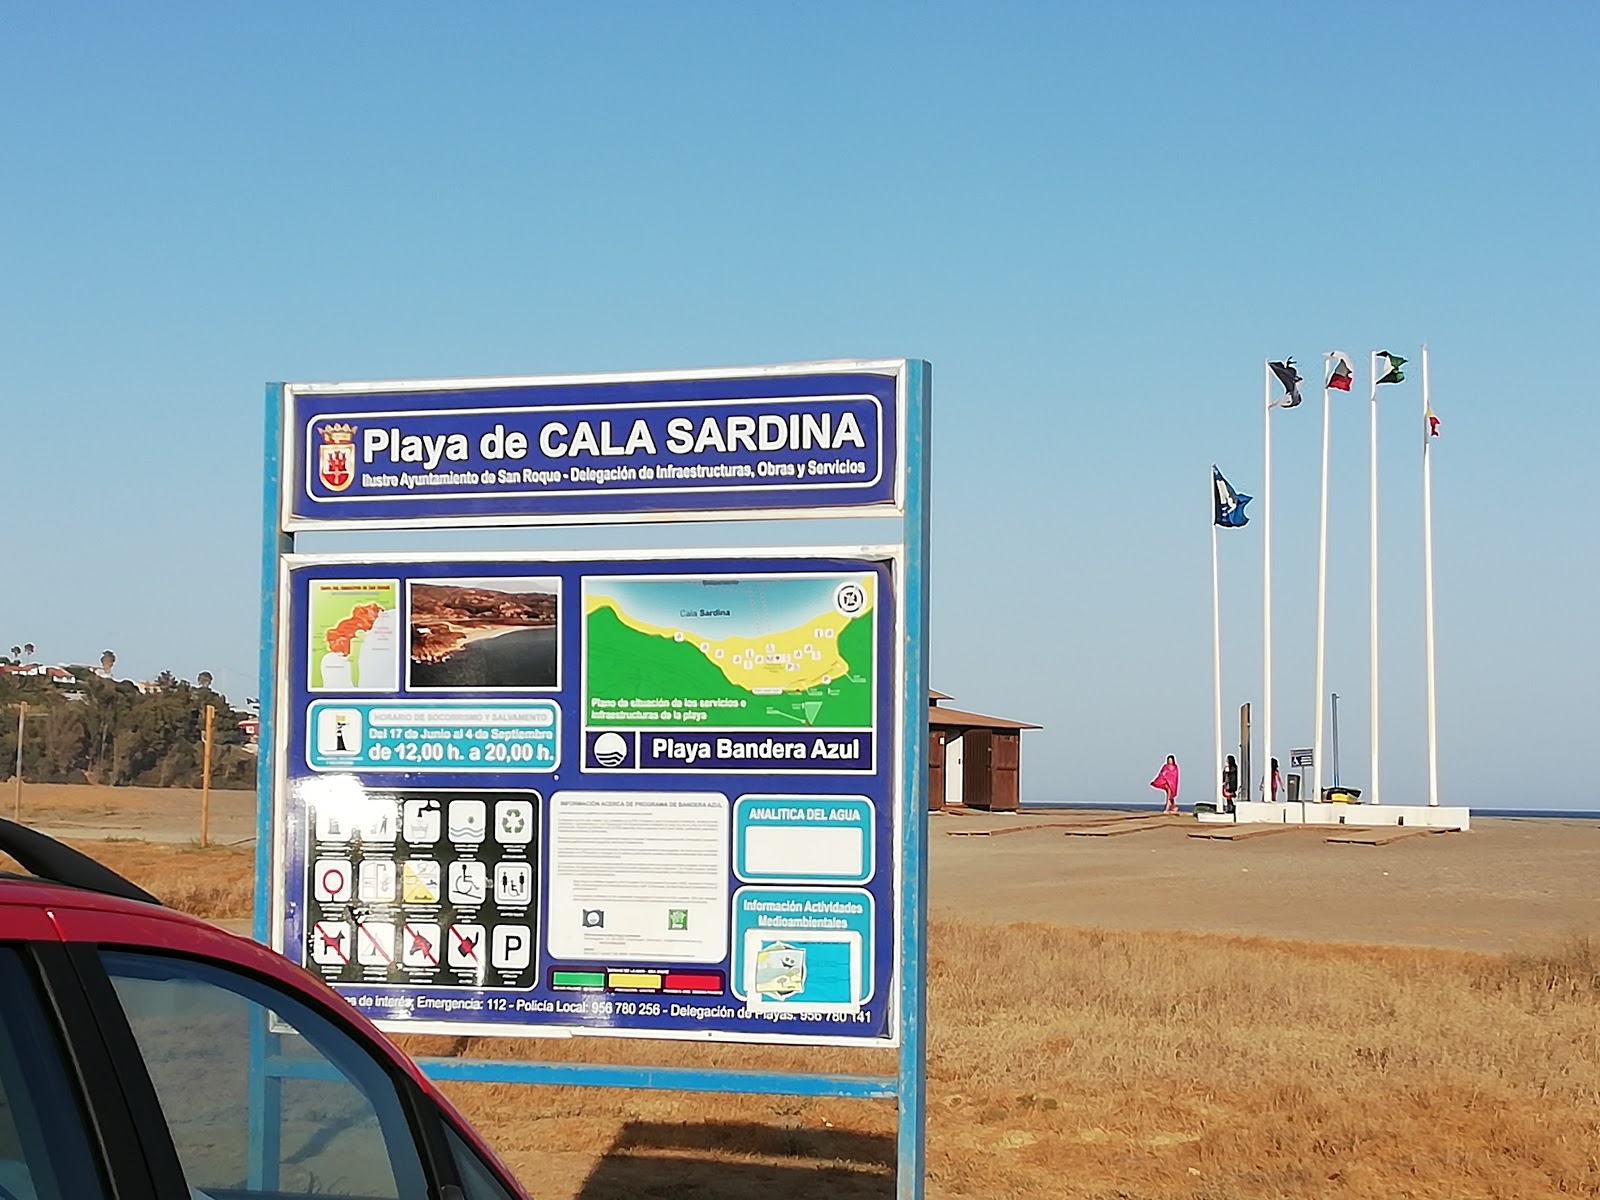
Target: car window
[478, 1182]
[264, 1096]
[44, 1146]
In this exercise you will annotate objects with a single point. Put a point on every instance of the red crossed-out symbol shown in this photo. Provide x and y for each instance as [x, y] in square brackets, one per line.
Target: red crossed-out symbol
[332, 941]
[466, 944]
[376, 945]
[421, 945]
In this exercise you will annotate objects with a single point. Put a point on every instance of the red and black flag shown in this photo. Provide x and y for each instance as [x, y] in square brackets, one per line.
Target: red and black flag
[1340, 372]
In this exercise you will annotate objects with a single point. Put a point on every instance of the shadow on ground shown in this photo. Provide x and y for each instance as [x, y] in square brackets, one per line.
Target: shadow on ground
[668, 1161]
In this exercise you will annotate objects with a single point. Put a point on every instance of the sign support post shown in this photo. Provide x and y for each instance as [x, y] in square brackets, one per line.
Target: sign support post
[453, 741]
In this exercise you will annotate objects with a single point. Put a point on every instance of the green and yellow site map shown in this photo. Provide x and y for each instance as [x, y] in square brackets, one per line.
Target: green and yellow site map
[746, 652]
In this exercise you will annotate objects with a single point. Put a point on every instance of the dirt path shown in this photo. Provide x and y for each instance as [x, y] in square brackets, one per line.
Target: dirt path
[1505, 884]
[167, 815]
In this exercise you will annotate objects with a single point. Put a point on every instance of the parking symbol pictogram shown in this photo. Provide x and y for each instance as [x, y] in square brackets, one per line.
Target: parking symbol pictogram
[513, 947]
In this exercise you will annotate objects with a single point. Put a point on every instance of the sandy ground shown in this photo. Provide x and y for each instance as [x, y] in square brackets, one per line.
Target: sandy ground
[143, 814]
[1507, 884]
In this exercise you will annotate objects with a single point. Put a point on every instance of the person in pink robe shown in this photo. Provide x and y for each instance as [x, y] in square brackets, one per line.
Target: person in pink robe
[1166, 780]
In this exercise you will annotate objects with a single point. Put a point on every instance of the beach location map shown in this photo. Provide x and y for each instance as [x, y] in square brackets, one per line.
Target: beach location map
[773, 652]
[355, 635]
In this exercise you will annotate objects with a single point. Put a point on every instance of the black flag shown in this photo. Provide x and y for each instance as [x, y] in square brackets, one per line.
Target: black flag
[1291, 380]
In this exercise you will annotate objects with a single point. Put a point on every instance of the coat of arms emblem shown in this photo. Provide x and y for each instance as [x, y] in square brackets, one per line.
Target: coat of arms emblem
[336, 457]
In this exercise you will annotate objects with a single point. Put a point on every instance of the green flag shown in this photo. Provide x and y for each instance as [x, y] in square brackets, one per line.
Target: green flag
[1389, 365]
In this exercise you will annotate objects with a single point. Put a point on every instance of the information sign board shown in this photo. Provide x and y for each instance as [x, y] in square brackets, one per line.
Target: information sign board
[648, 795]
[668, 792]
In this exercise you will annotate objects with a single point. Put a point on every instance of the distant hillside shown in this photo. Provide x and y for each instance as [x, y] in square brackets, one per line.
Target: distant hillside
[102, 731]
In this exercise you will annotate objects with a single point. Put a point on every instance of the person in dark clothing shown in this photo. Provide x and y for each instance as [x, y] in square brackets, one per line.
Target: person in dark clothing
[1230, 784]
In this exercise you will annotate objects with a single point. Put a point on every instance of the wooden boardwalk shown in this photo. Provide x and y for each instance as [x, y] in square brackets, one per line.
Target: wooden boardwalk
[1135, 819]
[1239, 833]
[1106, 829]
[1383, 835]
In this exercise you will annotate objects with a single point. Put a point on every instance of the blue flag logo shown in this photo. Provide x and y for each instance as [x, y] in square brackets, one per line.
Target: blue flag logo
[1229, 504]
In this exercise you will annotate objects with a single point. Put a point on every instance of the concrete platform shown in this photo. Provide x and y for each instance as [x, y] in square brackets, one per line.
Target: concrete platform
[1363, 815]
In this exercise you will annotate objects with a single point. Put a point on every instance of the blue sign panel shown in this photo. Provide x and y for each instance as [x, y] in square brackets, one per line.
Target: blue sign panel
[630, 797]
[537, 451]
[433, 735]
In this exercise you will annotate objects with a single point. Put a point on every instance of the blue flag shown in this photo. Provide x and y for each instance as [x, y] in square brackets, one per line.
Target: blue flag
[1229, 503]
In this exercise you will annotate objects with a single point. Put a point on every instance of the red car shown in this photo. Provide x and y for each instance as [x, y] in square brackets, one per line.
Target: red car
[146, 1055]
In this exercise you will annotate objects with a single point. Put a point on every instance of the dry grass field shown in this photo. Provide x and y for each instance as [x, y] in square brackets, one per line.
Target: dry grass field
[1080, 1063]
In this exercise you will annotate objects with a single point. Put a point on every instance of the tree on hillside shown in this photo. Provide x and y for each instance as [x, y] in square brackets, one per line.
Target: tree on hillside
[27, 649]
[107, 660]
[115, 735]
[16, 652]
[204, 679]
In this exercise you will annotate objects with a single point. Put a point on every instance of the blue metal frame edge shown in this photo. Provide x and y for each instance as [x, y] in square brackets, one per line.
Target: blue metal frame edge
[263, 1085]
[274, 545]
[913, 1076]
[677, 1079]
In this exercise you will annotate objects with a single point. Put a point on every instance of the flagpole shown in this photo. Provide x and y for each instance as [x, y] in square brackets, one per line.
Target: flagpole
[1427, 582]
[1266, 582]
[1322, 590]
[1216, 642]
[1372, 783]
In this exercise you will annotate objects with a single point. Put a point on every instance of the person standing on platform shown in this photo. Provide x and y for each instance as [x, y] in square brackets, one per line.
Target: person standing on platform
[1166, 780]
[1277, 781]
[1230, 784]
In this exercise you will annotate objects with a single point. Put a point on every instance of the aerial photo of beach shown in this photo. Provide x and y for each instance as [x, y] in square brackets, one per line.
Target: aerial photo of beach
[484, 634]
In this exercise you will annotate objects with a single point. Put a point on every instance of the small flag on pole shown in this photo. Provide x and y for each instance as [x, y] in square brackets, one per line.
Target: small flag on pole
[1433, 422]
[1291, 380]
[1229, 503]
[1340, 374]
[1389, 366]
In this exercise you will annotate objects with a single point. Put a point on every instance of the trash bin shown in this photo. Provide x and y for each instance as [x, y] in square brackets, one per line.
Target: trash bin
[1294, 788]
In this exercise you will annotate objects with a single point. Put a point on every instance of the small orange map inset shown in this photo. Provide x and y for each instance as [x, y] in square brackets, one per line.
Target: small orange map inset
[353, 642]
[361, 619]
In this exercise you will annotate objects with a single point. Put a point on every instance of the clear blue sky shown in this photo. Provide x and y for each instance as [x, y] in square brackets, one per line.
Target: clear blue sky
[1095, 220]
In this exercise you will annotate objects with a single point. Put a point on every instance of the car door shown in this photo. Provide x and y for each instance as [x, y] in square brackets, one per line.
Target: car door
[250, 1088]
[62, 1135]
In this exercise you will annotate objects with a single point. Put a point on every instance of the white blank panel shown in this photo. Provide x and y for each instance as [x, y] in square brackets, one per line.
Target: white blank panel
[783, 851]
